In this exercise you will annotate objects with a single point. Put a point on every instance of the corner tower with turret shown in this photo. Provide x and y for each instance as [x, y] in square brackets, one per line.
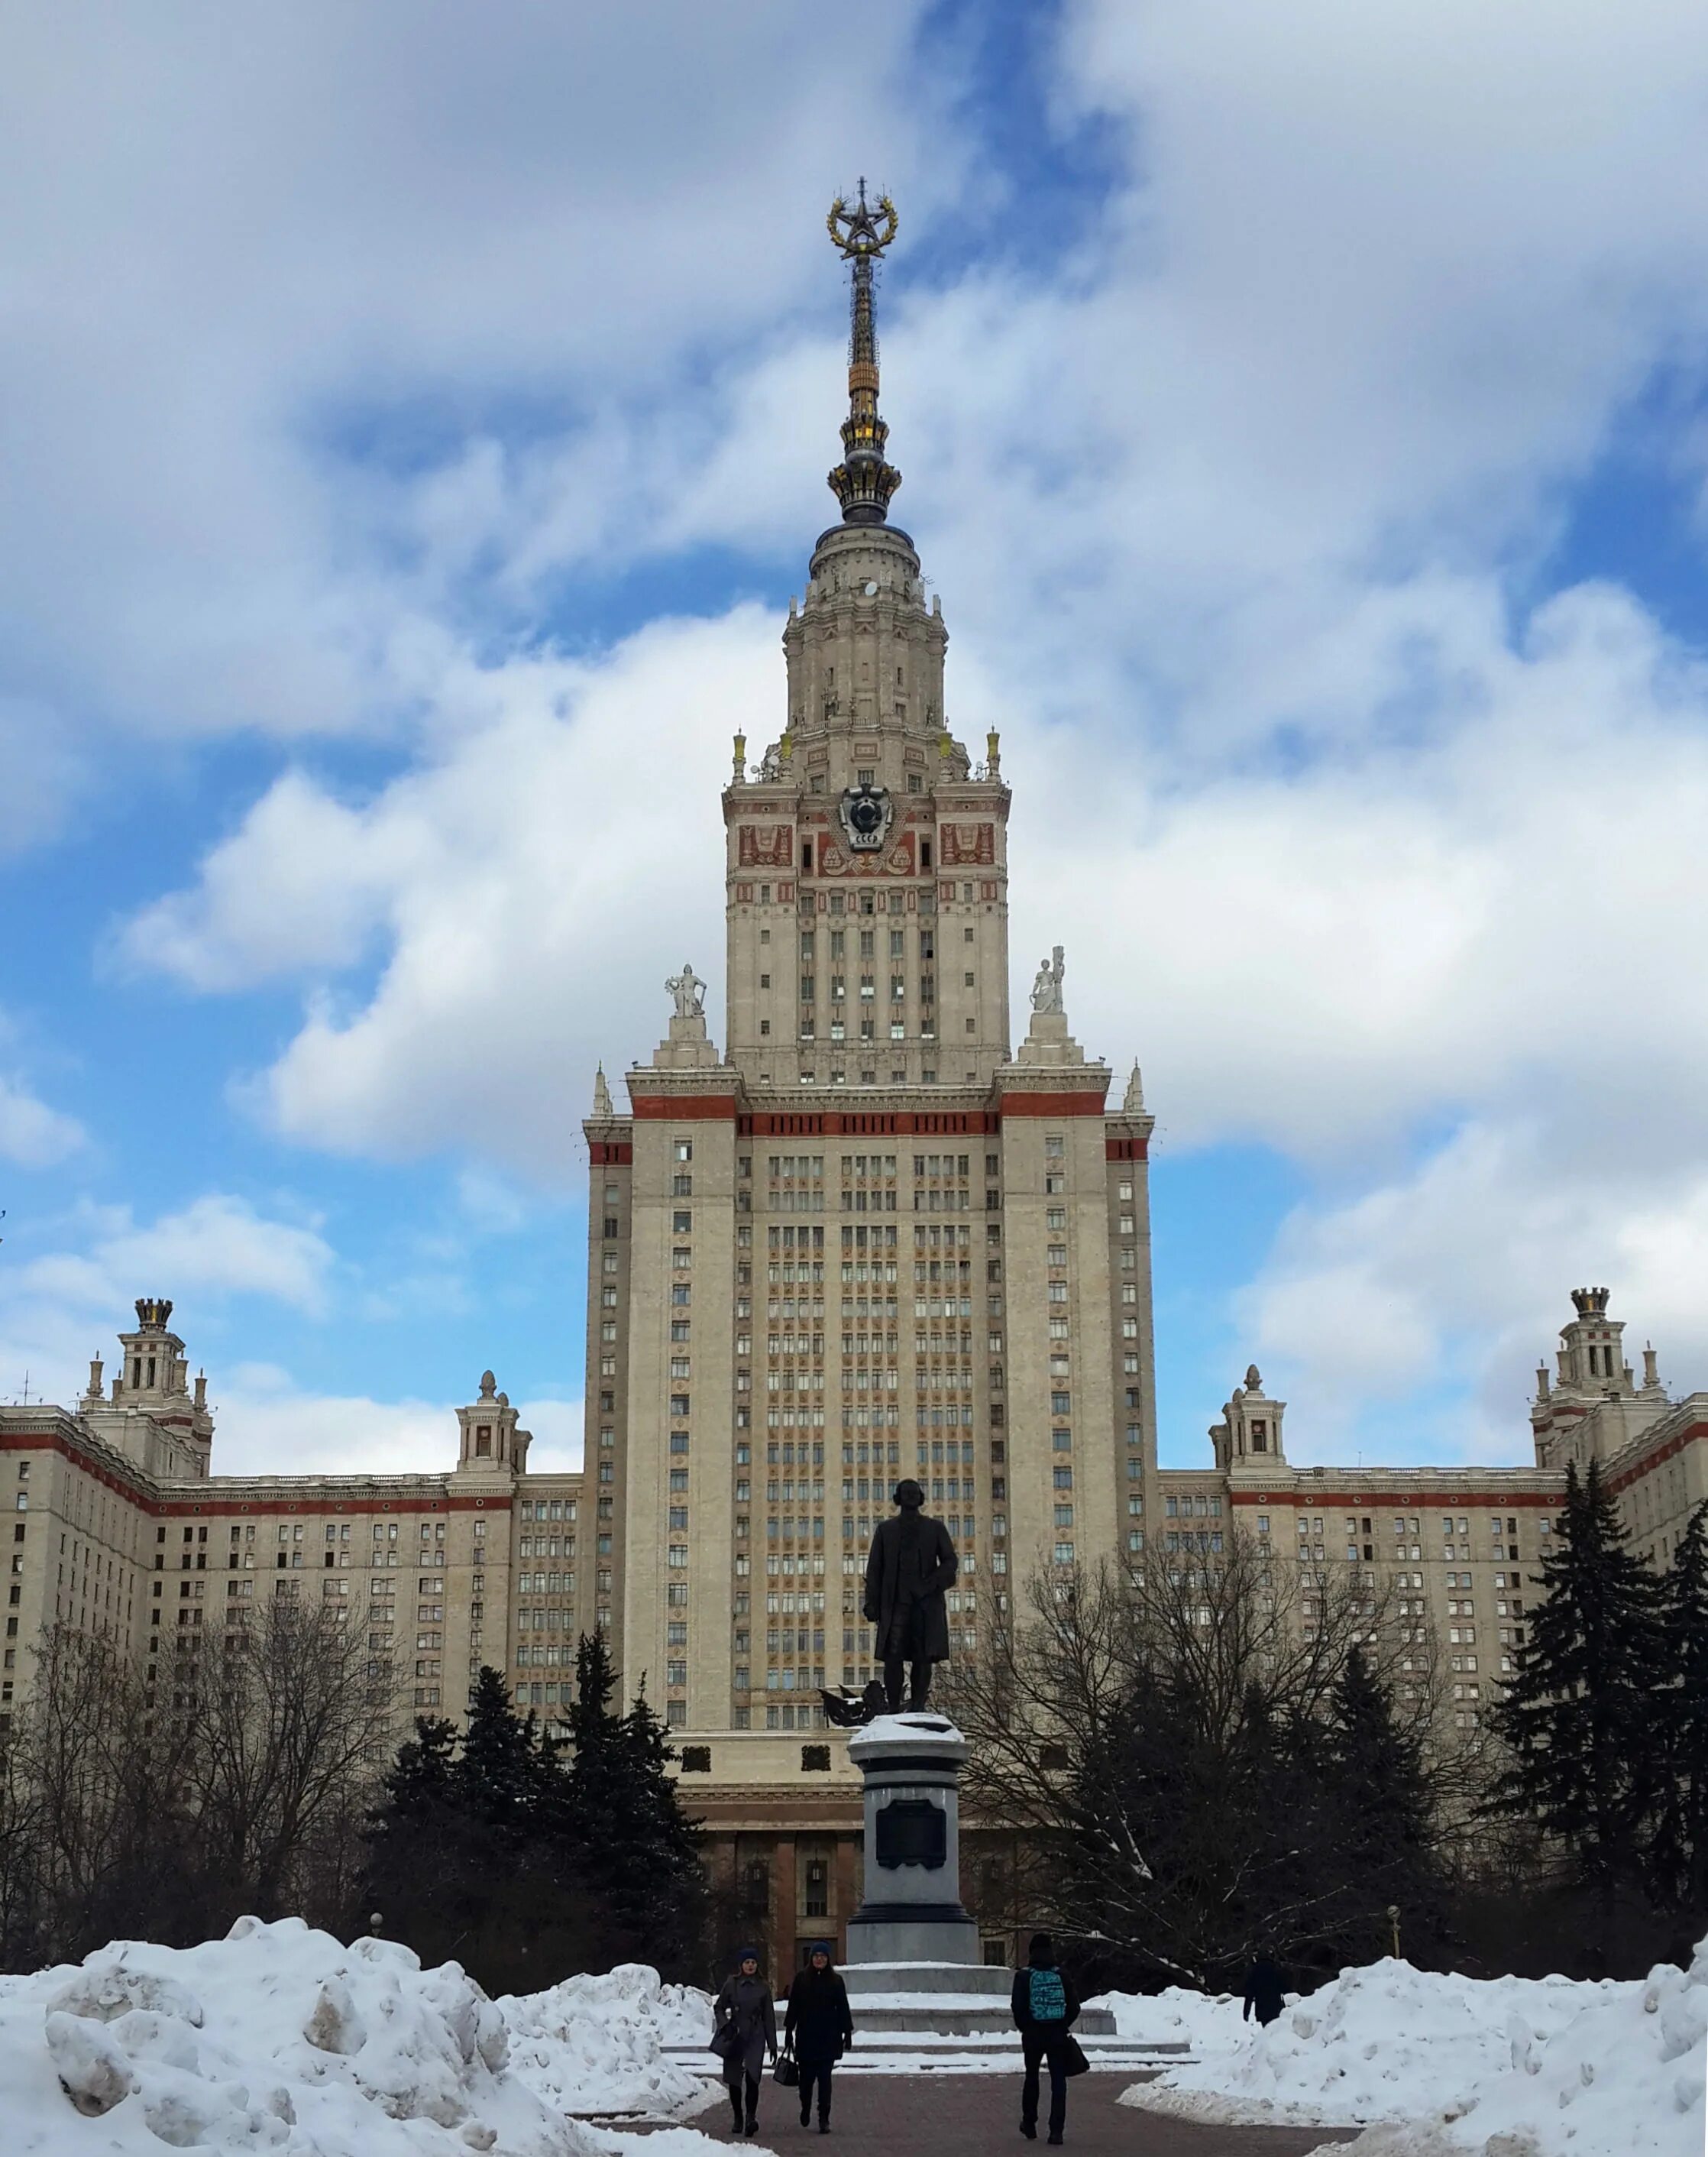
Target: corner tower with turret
[153, 1412]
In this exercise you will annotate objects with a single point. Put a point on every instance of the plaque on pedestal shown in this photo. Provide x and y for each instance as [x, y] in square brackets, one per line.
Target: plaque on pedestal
[910, 1910]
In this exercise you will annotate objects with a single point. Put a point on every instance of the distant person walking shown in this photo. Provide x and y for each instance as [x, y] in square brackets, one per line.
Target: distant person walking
[1044, 2006]
[744, 2032]
[1265, 1990]
[818, 2028]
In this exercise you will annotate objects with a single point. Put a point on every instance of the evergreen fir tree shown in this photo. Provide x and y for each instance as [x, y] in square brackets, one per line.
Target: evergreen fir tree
[415, 1839]
[1578, 1720]
[1384, 1808]
[1677, 1848]
[658, 1883]
[638, 1851]
[499, 1776]
[418, 1784]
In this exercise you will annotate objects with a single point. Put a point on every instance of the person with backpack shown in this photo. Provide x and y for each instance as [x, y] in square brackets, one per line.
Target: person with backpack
[744, 2030]
[818, 2029]
[1046, 2007]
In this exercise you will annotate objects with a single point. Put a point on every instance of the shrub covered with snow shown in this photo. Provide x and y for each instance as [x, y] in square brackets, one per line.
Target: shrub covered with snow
[593, 2043]
[1441, 2064]
[276, 2038]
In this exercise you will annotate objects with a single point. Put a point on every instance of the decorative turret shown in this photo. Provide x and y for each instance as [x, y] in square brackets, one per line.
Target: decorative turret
[1248, 1438]
[147, 1411]
[1593, 1406]
[491, 1440]
[863, 482]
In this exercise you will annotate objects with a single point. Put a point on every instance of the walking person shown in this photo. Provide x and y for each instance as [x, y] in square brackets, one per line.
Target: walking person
[818, 2028]
[1265, 1990]
[744, 2033]
[1045, 2007]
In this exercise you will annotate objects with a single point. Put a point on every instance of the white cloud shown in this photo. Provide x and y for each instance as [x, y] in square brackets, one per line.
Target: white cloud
[1238, 514]
[257, 287]
[264, 1426]
[32, 1135]
[217, 1246]
[533, 883]
[1452, 1278]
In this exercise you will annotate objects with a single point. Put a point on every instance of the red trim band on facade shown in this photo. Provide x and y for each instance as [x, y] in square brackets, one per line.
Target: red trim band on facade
[207, 1508]
[1090, 1103]
[1650, 1461]
[870, 1123]
[610, 1153]
[684, 1108]
[1126, 1150]
[1436, 1499]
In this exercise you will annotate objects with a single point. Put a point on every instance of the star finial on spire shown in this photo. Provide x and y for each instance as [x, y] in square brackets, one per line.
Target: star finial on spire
[863, 482]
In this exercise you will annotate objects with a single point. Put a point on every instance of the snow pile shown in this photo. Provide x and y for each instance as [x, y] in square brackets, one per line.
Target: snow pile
[276, 2038]
[1511, 2067]
[593, 2043]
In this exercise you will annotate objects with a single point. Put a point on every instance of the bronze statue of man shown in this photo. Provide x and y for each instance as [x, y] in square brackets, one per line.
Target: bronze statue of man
[911, 1566]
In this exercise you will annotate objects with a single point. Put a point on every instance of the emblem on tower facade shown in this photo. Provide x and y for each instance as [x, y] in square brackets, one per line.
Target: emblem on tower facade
[866, 813]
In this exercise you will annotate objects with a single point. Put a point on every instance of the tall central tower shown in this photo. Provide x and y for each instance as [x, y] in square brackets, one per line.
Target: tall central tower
[875, 1238]
[867, 875]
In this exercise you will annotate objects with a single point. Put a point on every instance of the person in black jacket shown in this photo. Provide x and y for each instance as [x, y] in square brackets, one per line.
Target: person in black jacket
[1045, 2007]
[744, 2030]
[1265, 1990]
[818, 2029]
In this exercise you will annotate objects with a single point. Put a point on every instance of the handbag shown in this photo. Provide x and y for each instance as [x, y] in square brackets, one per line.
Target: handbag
[723, 2039]
[1069, 2055]
[787, 2071]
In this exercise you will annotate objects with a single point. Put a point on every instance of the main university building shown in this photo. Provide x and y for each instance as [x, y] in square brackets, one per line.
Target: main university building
[872, 1238]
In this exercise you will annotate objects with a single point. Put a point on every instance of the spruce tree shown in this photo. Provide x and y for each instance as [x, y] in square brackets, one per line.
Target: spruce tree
[415, 1853]
[1578, 1719]
[498, 1777]
[658, 1884]
[1383, 1805]
[1678, 1846]
[638, 1851]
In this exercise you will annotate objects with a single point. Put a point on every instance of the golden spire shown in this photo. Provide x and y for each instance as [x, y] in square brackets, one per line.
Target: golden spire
[863, 482]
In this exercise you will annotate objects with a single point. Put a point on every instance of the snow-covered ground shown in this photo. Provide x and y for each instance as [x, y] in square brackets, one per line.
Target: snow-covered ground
[1435, 2065]
[282, 2039]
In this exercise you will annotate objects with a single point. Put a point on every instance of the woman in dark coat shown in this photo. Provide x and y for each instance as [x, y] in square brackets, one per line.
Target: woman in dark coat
[743, 2010]
[818, 2029]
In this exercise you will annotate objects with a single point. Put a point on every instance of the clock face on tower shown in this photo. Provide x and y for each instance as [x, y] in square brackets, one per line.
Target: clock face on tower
[866, 813]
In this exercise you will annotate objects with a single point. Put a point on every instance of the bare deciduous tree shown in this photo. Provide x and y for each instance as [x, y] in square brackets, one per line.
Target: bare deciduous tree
[237, 1780]
[1156, 1741]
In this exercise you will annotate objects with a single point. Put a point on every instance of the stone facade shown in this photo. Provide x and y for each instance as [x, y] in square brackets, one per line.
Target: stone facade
[119, 1527]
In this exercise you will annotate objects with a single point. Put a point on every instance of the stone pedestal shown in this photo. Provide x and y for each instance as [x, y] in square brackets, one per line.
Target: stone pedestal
[910, 1910]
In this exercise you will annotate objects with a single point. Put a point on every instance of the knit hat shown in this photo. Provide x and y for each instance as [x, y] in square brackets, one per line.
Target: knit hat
[821, 1947]
[1042, 1954]
[746, 1954]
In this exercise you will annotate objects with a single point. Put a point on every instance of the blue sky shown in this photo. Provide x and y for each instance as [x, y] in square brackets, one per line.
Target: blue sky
[414, 425]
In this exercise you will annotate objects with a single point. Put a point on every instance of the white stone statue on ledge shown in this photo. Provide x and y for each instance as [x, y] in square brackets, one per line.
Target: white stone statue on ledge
[689, 993]
[1047, 988]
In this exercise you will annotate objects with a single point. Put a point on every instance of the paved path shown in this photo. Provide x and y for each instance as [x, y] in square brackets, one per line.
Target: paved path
[941, 2115]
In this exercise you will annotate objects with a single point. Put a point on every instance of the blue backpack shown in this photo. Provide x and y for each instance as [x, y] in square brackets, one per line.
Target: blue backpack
[1048, 2001]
